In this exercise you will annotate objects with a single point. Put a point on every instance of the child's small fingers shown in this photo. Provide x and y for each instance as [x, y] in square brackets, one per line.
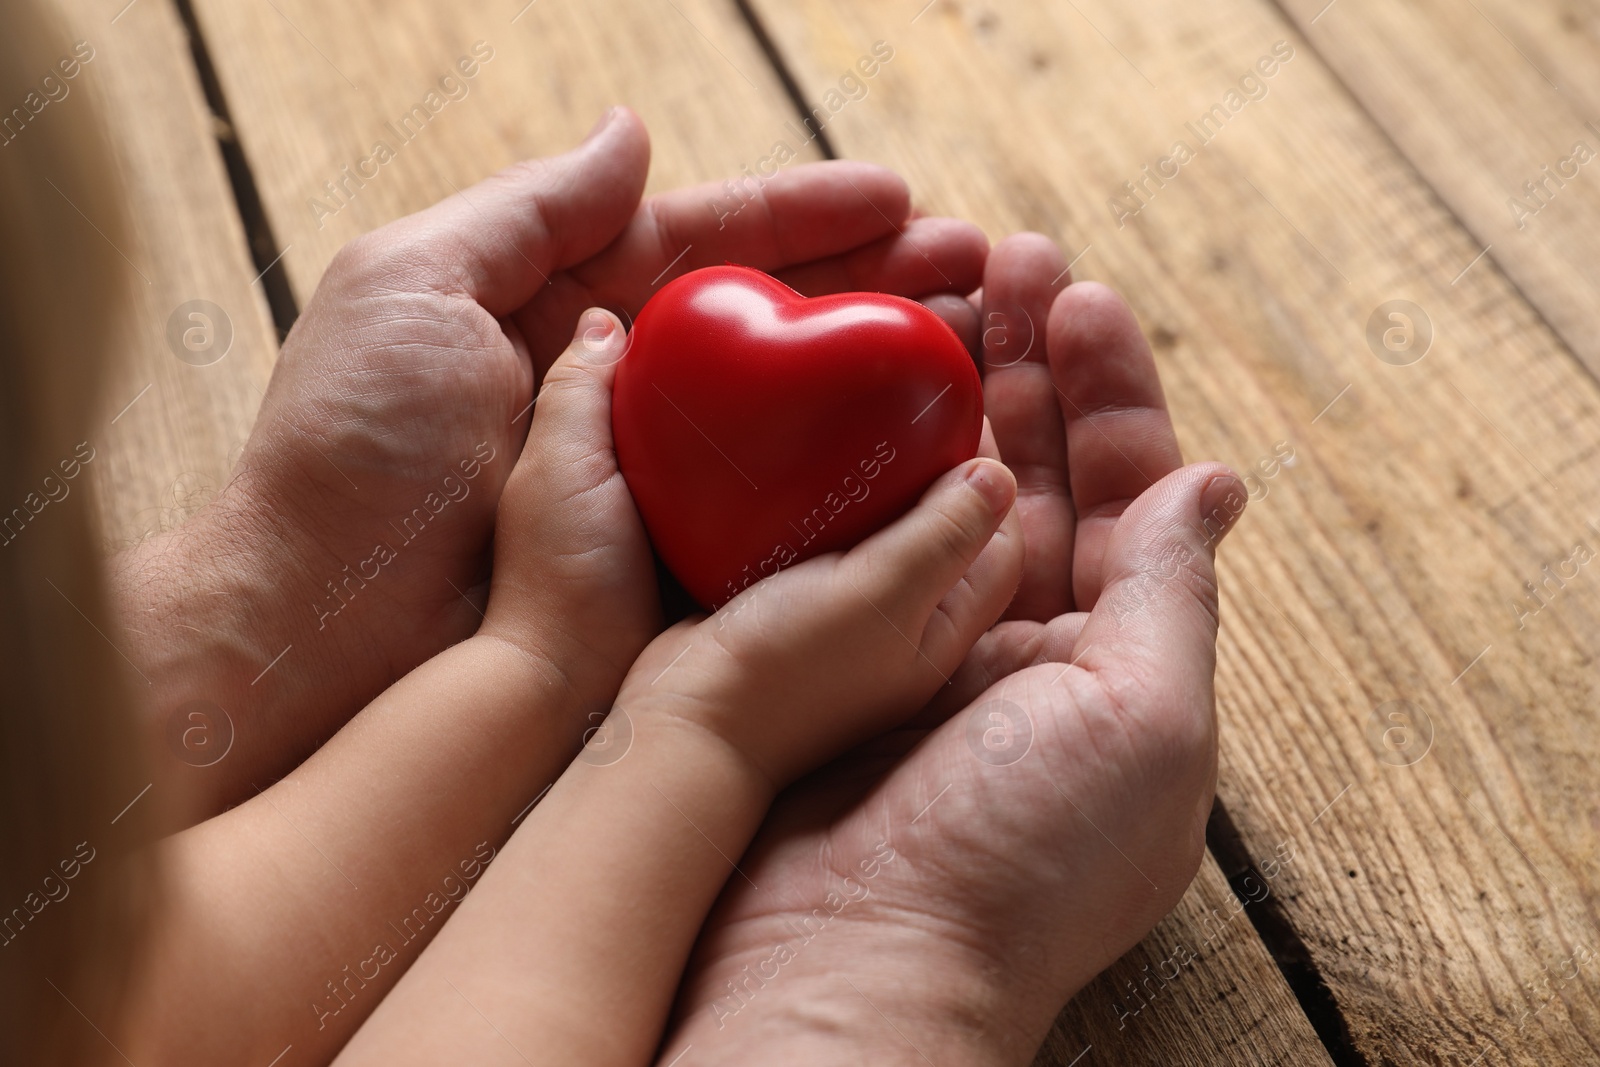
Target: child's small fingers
[979, 598]
[906, 568]
[975, 602]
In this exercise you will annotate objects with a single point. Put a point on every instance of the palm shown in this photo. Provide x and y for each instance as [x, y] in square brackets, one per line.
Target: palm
[1042, 827]
[1012, 785]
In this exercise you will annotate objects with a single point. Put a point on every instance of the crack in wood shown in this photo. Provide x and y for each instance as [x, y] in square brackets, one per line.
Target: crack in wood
[1277, 932]
[791, 86]
[264, 250]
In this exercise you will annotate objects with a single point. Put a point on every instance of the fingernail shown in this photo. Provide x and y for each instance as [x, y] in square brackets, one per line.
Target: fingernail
[1222, 501]
[604, 121]
[596, 332]
[994, 483]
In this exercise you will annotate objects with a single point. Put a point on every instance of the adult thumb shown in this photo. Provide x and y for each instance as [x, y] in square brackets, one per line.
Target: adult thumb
[1155, 622]
[501, 239]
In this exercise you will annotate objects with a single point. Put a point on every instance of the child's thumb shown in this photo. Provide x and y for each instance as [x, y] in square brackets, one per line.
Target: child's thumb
[572, 413]
[906, 568]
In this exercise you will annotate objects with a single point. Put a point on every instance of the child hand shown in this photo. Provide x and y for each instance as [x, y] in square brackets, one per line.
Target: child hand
[839, 648]
[574, 584]
[572, 602]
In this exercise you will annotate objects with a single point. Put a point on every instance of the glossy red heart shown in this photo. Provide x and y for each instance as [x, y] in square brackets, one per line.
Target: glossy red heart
[757, 428]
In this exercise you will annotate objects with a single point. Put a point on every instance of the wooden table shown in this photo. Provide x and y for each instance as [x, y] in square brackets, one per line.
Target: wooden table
[1400, 715]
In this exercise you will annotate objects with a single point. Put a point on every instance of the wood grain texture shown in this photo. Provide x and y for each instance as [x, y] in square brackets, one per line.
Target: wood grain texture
[1496, 105]
[313, 86]
[1445, 892]
[1200, 989]
[160, 459]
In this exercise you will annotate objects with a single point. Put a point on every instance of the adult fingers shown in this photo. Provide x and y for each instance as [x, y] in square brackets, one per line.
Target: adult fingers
[926, 255]
[1120, 439]
[958, 314]
[803, 213]
[807, 212]
[1020, 283]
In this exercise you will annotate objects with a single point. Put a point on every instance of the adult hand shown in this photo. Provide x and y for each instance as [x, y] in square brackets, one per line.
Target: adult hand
[353, 540]
[950, 886]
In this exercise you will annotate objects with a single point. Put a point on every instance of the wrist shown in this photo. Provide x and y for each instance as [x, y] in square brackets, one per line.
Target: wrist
[661, 746]
[207, 612]
[693, 691]
[588, 667]
[861, 1015]
[949, 999]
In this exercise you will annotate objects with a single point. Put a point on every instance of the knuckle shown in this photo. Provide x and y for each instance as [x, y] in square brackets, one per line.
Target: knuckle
[1198, 576]
[1179, 575]
[358, 258]
[957, 526]
[523, 174]
[407, 254]
[1175, 732]
[379, 259]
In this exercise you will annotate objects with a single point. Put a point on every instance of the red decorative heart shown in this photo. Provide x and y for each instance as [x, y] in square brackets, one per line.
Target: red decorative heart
[757, 428]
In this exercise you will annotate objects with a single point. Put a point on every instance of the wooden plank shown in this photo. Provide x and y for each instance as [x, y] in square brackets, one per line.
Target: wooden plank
[172, 425]
[1200, 989]
[1495, 103]
[313, 86]
[1388, 561]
